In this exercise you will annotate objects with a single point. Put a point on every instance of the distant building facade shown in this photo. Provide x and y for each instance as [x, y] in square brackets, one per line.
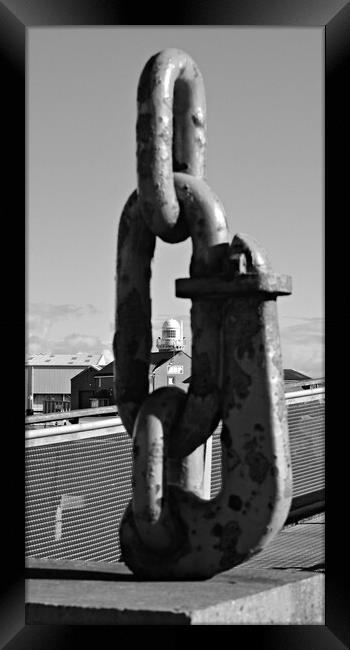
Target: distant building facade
[95, 388]
[83, 388]
[294, 380]
[48, 379]
[169, 369]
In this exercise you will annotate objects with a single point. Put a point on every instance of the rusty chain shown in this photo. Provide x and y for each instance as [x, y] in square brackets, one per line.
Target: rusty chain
[171, 137]
[168, 531]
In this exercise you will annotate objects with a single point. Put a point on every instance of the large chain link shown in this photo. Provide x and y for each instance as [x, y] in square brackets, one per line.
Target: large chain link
[168, 531]
[171, 137]
[207, 225]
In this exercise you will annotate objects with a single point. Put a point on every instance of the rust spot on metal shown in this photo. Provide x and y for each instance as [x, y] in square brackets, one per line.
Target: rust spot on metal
[228, 543]
[209, 514]
[144, 164]
[144, 127]
[203, 382]
[256, 461]
[217, 530]
[238, 383]
[171, 112]
[227, 442]
[235, 502]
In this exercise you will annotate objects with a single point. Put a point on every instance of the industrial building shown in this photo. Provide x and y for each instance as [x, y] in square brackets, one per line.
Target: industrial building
[169, 369]
[294, 380]
[48, 379]
[169, 366]
[83, 389]
[93, 387]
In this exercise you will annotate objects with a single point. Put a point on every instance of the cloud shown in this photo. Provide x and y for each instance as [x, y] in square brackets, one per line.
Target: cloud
[302, 341]
[303, 346]
[41, 321]
[41, 317]
[47, 310]
[73, 343]
[78, 343]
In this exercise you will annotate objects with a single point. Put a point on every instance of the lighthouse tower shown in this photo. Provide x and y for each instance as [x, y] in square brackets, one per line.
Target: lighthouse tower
[172, 339]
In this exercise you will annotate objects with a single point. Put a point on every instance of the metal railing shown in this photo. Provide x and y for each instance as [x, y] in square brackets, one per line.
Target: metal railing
[71, 415]
[78, 476]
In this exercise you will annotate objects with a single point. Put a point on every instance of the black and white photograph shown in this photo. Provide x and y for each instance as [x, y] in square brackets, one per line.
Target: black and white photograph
[175, 325]
[240, 111]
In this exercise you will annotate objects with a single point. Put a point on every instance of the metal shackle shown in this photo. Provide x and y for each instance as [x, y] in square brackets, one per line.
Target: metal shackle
[172, 533]
[171, 137]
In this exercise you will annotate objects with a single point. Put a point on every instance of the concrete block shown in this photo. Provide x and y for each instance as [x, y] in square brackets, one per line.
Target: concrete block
[106, 594]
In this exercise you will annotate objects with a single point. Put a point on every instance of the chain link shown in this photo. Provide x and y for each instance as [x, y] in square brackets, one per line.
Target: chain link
[171, 137]
[207, 225]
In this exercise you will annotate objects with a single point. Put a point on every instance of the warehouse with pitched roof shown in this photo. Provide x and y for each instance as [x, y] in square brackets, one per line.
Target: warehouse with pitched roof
[48, 379]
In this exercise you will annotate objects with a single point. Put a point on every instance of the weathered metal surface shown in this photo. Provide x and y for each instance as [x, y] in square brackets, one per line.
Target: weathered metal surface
[133, 339]
[171, 137]
[211, 536]
[168, 531]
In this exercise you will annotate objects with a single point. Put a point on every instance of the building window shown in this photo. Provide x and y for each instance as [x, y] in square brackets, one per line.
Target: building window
[170, 333]
[171, 380]
[175, 370]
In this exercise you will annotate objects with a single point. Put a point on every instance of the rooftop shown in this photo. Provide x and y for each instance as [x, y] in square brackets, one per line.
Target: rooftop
[294, 375]
[80, 359]
[156, 360]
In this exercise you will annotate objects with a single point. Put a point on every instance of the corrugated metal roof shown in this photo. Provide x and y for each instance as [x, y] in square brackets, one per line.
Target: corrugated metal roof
[294, 375]
[80, 359]
[96, 368]
[156, 360]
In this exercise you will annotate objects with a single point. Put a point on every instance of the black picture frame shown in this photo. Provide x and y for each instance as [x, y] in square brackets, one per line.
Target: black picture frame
[16, 16]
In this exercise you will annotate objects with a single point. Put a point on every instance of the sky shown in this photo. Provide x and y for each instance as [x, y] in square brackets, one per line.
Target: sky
[265, 161]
